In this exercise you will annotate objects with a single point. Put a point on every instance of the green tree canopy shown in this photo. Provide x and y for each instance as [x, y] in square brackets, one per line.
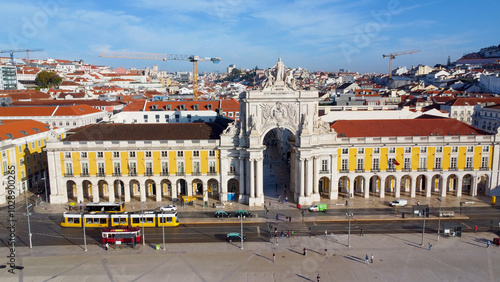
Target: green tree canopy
[47, 79]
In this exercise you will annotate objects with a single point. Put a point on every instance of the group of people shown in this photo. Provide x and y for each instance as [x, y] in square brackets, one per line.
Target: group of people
[368, 260]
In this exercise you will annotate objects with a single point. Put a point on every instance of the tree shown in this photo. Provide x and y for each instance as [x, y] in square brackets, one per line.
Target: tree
[47, 79]
[448, 63]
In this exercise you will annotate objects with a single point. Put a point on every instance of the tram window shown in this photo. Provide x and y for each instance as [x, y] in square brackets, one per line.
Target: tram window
[169, 219]
[135, 220]
[89, 220]
[162, 220]
[77, 220]
[123, 220]
[149, 220]
[102, 220]
[70, 220]
[116, 220]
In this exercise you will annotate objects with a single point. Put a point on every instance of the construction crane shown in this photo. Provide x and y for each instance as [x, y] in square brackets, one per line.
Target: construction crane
[168, 57]
[393, 56]
[11, 52]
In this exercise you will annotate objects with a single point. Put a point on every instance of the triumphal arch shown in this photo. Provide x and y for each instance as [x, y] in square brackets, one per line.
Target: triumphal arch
[292, 114]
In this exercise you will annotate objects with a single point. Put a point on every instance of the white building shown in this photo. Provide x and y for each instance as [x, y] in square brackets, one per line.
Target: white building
[490, 82]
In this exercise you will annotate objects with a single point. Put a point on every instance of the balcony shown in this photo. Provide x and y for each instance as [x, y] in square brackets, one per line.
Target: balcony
[212, 173]
[391, 169]
[407, 169]
[484, 168]
[376, 170]
[453, 169]
[196, 173]
[180, 173]
[324, 172]
[68, 174]
[360, 170]
[422, 169]
[438, 169]
[85, 174]
[165, 173]
[117, 173]
[148, 173]
[101, 174]
[344, 170]
[468, 168]
[132, 173]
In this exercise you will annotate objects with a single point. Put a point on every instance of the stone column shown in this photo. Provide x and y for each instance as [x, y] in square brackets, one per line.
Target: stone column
[444, 186]
[259, 189]
[241, 179]
[175, 189]
[428, 187]
[143, 192]
[301, 177]
[159, 190]
[350, 185]
[95, 192]
[111, 192]
[459, 186]
[205, 194]
[397, 188]
[382, 187]
[251, 177]
[413, 188]
[309, 177]
[316, 167]
[473, 186]
[366, 190]
[79, 193]
[126, 187]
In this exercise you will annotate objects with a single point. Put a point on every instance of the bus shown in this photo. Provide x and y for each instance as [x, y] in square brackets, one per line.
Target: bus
[121, 235]
[105, 207]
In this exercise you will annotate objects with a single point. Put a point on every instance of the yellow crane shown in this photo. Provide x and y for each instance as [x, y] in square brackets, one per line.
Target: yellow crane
[168, 57]
[394, 55]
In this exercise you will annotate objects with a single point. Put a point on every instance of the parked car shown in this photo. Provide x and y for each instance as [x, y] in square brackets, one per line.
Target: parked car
[235, 237]
[318, 207]
[168, 208]
[243, 213]
[222, 214]
[399, 202]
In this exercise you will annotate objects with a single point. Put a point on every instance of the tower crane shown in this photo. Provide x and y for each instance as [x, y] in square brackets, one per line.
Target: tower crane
[11, 52]
[168, 57]
[394, 55]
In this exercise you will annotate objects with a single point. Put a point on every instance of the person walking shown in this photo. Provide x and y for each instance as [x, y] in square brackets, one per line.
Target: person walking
[286, 199]
[366, 259]
[317, 278]
[305, 252]
[326, 252]
[274, 257]
[430, 246]
[371, 261]
[488, 244]
[107, 246]
[475, 228]
[81, 206]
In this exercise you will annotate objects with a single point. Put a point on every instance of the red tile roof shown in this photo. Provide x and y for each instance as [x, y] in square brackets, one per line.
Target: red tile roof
[13, 129]
[473, 101]
[404, 127]
[78, 110]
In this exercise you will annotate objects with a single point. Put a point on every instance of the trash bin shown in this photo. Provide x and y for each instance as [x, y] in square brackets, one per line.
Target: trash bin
[493, 200]
[213, 205]
[206, 204]
[403, 215]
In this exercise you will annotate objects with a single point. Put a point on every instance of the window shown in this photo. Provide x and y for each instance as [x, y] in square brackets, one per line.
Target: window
[439, 149]
[390, 163]
[324, 165]
[232, 167]
[345, 151]
[164, 168]
[486, 148]
[453, 163]
[361, 150]
[468, 162]
[100, 154]
[148, 154]
[164, 154]
[180, 153]
[422, 164]
[116, 168]
[392, 150]
[484, 162]
[85, 169]
[149, 168]
[376, 164]
[344, 165]
[83, 155]
[211, 167]
[470, 149]
[407, 149]
[196, 153]
[100, 168]
[34, 157]
[69, 168]
[39, 143]
[132, 167]
[180, 167]
[21, 162]
[438, 163]
[67, 155]
[189, 117]
[166, 118]
[196, 167]
[407, 163]
[28, 159]
[454, 149]
[423, 150]
[376, 150]
[360, 164]
[211, 153]
[116, 154]
[131, 154]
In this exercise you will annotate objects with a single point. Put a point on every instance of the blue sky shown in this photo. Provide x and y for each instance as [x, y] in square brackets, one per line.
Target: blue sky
[312, 34]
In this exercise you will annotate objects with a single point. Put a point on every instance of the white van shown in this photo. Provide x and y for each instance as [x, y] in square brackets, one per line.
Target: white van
[399, 202]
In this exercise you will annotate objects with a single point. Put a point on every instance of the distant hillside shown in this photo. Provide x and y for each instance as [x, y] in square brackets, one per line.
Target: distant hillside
[488, 52]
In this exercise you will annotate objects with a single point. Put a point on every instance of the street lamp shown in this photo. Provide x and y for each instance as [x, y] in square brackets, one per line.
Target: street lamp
[375, 191]
[349, 215]
[423, 228]
[142, 215]
[28, 216]
[84, 235]
[241, 224]
[45, 185]
[439, 220]
[162, 227]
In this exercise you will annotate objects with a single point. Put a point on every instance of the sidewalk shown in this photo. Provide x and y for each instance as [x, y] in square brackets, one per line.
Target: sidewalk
[397, 257]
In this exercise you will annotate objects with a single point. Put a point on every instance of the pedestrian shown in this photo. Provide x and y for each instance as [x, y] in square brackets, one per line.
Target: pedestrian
[286, 199]
[275, 231]
[282, 234]
[361, 232]
[305, 252]
[81, 206]
[107, 246]
[274, 257]
[286, 219]
[317, 278]
[70, 207]
[279, 199]
[475, 228]
[269, 204]
[326, 252]
[488, 244]
[288, 234]
[418, 203]
[290, 219]
[366, 259]
[298, 206]
[371, 261]
[326, 233]
[277, 216]
[430, 246]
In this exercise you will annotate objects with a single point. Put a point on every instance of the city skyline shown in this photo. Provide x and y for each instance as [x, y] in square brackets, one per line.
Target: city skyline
[319, 35]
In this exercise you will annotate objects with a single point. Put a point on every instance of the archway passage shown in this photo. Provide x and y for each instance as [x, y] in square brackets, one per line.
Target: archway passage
[276, 170]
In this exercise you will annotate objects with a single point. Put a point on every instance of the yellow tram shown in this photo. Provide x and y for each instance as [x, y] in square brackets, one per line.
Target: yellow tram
[101, 220]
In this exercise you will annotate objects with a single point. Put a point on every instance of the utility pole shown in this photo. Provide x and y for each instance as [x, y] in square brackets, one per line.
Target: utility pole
[423, 229]
[349, 215]
[162, 227]
[241, 224]
[142, 216]
[439, 220]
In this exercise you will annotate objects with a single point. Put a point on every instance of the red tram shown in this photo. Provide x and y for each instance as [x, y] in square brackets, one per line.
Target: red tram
[121, 235]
